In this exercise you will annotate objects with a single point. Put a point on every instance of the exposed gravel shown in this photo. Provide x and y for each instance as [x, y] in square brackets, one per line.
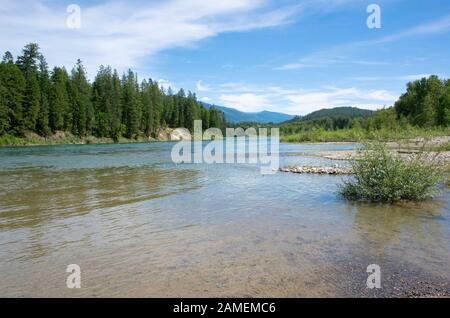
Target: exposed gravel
[318, 170]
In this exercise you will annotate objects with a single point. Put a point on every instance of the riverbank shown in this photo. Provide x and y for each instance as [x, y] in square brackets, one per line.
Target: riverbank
[67, 138]
[438, 146]
[358, 135]
[434, 150]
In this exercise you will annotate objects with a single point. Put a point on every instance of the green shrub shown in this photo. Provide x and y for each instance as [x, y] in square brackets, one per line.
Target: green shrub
[380, 176]
[9, 140]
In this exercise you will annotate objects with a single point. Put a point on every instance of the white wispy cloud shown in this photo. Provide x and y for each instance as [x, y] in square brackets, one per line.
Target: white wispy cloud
[297, 101]
[342, 54]
[320, 60]
[435, 27]
[404, 78]
[306, 102]
[122, 33]
[248, 102]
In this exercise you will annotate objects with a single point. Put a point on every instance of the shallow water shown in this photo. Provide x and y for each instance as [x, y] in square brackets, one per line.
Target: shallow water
[139, 225]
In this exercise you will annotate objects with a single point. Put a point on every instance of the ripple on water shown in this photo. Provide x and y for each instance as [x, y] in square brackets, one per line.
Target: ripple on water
[139, 225]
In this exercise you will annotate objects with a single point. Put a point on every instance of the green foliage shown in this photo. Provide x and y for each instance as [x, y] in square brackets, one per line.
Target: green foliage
[10, 140]
[424, 109]
[28, 64]
[442, 147]
[358, 134]
[431, 117]
[34, 99]
[43, 121]
[60, 115]
[426, 102]
[131, 105]
[106, 102]
[13, 82]
[148, 110]
[4, 120]
[338, 112]
[80, 99]
[443, 111]
[380, 176]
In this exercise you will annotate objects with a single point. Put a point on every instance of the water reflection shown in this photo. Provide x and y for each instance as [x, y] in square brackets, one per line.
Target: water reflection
[31, 196]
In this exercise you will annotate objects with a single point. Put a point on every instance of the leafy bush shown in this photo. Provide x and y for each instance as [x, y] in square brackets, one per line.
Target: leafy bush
[381, 176]
[9, 140]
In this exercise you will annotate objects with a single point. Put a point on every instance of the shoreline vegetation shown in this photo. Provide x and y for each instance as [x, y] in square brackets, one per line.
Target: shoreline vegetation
[412, 139]
[359, 135]
[67, 138]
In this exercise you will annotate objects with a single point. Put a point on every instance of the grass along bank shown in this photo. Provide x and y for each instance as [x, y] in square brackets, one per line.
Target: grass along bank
[358, 135]
[66, 138]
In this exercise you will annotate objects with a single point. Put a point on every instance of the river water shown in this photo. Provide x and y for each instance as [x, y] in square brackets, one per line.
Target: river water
[139, 225]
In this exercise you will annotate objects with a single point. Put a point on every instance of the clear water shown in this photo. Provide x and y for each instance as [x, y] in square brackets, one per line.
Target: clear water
[139, 225]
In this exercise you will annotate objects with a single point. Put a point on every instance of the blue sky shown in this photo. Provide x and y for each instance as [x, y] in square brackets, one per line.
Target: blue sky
[287, 56]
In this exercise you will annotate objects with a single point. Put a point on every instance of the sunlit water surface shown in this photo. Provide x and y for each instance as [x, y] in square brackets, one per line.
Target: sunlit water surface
[139, 225]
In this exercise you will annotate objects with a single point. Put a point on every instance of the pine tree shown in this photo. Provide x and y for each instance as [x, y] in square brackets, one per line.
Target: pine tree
[28, 64]
[80, 98]
[180, 100]
[147, 125]
[158, 106]
[4, 116]
[168, 107]
[130, 105]
[8, 58]
[13, 83]
[116, 108]
[102, 101]
[43, 127]
[32, 102]
[60, 111]
[205, 118]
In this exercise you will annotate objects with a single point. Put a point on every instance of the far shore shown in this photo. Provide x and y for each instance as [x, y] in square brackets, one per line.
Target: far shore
[164, 135]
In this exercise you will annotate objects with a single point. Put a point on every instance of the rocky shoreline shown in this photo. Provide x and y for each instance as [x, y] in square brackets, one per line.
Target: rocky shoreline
[336, 170]
[405, 149]
[67, 138]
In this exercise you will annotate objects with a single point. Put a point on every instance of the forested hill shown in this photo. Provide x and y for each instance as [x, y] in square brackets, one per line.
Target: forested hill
[34, 98]
[236, 116]
[348, 112]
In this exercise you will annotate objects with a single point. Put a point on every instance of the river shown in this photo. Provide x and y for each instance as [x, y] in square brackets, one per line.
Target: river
[139, 225]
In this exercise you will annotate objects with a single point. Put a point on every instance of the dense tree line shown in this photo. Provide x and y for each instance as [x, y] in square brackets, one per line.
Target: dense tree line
[32, 98]
[342, 118]
[426, 103]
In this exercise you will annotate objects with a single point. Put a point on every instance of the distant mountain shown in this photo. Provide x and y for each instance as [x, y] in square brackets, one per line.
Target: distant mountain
[235, 116]
[335, 112]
